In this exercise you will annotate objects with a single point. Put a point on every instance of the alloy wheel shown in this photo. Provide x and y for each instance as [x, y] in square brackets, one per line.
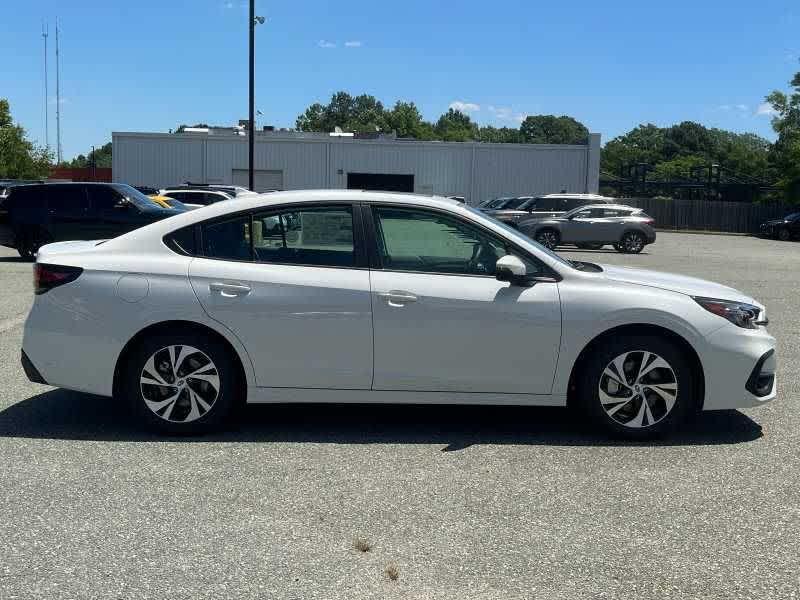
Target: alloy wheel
[638, 389]
[548, 239]
[180, 384]
[784, 235]
[632, 242]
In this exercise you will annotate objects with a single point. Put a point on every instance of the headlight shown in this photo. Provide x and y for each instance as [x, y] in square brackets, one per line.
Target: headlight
[740, 314]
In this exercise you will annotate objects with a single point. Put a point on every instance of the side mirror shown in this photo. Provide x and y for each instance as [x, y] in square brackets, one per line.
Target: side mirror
[510, 268]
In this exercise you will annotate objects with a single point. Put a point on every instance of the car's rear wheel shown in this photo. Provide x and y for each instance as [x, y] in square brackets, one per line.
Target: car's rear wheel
[31, 239]
[588, 246]
[181, 383]
[632, 242]
[549, 238]
[637, 386]
[784, 234]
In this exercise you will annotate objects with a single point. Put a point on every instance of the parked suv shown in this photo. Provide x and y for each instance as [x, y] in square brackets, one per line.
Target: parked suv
[196, 197]
[784, 229]
[551, 205]
[51, 212]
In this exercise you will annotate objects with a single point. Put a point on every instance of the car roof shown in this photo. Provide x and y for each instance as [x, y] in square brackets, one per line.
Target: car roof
[611, 206]
[596, 197]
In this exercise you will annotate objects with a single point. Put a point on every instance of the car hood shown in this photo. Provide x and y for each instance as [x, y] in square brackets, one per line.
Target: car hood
[675, 283]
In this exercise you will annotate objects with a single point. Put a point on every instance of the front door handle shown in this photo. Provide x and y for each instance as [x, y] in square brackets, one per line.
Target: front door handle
[229, 290]
[398, 297]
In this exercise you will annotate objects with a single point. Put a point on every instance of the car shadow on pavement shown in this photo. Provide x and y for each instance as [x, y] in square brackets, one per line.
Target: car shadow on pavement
[14, 259]
[61, 414]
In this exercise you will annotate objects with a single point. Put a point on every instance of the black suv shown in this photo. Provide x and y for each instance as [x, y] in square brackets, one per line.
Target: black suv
[35, 215]
[784, 229]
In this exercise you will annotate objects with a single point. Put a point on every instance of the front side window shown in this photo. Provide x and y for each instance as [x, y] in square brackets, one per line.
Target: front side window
[319, 236]
[430, 242]
[67, 199]
[103, 198]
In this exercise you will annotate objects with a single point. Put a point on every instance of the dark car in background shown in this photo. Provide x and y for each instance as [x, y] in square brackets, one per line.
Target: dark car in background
[784, 229]
[39, 214]
[550, 205]
[591, 227]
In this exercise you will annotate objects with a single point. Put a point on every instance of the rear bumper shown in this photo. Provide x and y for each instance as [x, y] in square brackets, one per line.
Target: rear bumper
[30, 370]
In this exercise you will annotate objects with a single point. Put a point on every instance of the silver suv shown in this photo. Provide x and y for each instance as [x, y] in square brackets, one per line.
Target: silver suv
[591, 227]
[550, 205]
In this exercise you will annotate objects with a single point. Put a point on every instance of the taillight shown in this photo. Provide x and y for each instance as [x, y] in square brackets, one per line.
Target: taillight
[46, 277]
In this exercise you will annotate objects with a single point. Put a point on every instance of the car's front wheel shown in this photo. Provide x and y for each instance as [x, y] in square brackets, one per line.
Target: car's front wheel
[636, 386]
[549, 238]
[784, 234]
[181, 383]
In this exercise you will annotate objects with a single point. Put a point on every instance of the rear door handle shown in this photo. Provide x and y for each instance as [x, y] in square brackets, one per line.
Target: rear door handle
[398, 297]
[229, 290]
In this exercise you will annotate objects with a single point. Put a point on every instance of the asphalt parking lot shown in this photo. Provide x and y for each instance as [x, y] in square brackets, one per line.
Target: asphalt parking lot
[464, 502]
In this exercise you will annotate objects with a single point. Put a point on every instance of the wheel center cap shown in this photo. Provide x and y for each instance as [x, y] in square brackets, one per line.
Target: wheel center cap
[637, 388]
[181, 383]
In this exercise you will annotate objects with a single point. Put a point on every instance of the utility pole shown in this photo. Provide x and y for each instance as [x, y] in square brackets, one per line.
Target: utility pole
[251, 125]
[58, 102]
[46, 109]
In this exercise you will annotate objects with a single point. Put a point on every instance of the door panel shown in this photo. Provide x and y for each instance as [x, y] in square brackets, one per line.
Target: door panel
[303, 327]
[464, 334]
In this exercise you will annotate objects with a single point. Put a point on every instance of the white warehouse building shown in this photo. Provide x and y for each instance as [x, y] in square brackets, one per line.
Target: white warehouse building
[294, 160]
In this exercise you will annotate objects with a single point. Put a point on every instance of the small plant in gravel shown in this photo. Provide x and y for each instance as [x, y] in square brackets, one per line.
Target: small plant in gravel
[392, 572]
[362, 545]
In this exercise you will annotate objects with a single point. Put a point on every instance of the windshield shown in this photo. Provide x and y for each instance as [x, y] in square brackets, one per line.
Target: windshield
[514, 203]
[516, 233]
[139, 200]
[793, 217]
[495, 202]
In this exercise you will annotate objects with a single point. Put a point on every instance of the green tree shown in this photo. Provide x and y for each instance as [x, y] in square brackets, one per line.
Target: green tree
[101, 157]
[182, 127]
[549, 129]
[406, 120]
[455, 126]
[784, 156]
[20, 158]
[645, 144]
[499, 135]
[359, 114]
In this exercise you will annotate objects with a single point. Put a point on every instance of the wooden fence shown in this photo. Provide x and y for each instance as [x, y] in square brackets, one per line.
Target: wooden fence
[710, 215]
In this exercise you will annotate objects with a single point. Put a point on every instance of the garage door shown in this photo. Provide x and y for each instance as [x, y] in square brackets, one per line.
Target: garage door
[264, 180]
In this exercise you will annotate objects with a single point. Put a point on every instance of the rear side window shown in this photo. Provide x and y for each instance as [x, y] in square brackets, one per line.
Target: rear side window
[547, 204]
[182, 241]
[570, 203]
[67, 199]
[228, 240]
[319, 236]
[617, 212]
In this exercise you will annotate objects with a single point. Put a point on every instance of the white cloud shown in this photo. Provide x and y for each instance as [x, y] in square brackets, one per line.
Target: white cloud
[353, 44]
[765, 109]
[326, 44]
[464, 107]
[506, 113]
[742, 107]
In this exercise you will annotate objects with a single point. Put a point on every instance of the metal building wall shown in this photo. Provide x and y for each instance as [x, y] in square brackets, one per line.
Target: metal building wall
[477, 171]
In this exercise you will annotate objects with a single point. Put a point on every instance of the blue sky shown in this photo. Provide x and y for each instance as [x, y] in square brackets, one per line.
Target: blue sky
[151, 65]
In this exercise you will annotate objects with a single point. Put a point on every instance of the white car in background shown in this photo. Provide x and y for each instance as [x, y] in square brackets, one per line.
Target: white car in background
[347, 296]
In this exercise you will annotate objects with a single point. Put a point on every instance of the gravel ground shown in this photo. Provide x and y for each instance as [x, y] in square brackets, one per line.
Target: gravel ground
[465, 502]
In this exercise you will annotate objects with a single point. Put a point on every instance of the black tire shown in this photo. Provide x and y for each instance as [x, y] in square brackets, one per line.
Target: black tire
[548, 237]
[590, 246]
[623, 423]
[229, 391]
[631, 242]
[618, 248]
[31, 239]
[784, 234]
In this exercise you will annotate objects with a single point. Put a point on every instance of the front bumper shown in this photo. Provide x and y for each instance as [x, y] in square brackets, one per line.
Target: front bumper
[30, 370]
[740, 368]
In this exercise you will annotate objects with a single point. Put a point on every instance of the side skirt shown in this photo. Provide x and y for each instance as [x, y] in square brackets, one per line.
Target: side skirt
[263, 395]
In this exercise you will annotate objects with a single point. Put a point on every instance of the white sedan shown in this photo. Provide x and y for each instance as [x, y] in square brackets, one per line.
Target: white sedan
[348, 296]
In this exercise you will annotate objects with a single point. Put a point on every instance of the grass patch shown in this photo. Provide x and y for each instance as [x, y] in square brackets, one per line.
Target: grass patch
[392, 572]
[362, 545]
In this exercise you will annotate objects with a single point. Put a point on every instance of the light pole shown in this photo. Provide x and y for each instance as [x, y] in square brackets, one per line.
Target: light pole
[251, 126]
